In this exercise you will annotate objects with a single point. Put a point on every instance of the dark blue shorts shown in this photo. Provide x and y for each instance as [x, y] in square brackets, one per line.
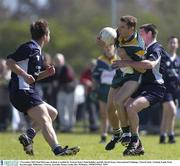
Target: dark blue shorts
[103, 92]
[168, 97]
[23, 100]
[154, 93]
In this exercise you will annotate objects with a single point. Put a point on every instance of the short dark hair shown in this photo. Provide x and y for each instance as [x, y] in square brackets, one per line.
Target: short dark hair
[173, 37]
[38, 29]
[131, 21]
[150, 27]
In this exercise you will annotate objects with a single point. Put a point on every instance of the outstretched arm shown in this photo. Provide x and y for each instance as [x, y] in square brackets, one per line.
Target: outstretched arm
[123, 55]
[145, 64]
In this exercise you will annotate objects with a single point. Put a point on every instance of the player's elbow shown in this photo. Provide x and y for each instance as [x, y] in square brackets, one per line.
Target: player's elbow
[10, 63]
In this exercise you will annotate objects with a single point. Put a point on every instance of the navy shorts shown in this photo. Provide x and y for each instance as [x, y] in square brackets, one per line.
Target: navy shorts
[154, 93]
[103, 92]
[169, 97]
[23, 100]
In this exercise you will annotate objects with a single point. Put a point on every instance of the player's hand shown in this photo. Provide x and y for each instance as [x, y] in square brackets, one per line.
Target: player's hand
[51, 70]
[29, 78]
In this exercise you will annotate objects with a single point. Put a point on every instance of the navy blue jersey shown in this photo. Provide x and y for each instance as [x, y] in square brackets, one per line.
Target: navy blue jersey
[154, 76]
[103, 75]
[28, 57]
[172, 76]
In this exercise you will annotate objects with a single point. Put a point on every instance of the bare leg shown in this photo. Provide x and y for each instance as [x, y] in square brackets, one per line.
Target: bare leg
[133, 106]
[171, 117]
[52, 113]
[111, 110]
[104, 119]
[163, 128]
[121, 96]
[114, 121]
[40, 115]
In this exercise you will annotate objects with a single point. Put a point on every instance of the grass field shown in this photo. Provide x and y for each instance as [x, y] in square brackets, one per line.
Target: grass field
[10, 149]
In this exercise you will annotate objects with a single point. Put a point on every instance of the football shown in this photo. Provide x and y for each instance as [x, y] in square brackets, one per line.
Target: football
[108, 35]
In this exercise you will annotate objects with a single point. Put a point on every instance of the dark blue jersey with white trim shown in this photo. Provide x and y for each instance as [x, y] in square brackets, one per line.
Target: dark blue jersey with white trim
[172, 77]
[154, 76]
[28, 57]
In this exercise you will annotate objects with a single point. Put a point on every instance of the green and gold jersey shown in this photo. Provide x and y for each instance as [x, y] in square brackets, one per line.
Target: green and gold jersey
[134, 46]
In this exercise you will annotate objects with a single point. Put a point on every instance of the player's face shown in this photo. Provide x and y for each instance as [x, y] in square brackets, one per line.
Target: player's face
[47, 37]
[143, 35]
[173, 44]
[124, 30]
[109, 51]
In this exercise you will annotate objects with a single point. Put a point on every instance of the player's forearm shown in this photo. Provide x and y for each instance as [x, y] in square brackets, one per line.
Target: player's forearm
[42, 75]
[145, 64]
[140, 70]
[50, 70]
[15, 68]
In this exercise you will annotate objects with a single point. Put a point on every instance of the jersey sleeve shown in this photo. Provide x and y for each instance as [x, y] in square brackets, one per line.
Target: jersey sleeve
[154, 56]
[96, 72]
[22, 53]
[136, 53]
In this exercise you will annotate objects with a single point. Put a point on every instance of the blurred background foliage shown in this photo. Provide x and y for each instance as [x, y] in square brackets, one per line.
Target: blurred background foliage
[74, 24]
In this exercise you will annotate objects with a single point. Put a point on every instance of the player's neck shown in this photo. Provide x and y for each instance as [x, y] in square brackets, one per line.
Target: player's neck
[126, 38]
[40, 42]
[149, 42]
[173, 53]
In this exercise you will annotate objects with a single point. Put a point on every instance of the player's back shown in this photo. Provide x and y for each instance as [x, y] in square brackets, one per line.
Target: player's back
[156, 53]
[28, 57]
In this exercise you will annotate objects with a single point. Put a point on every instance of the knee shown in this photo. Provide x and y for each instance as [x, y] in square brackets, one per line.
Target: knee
[53, 114]
[171, 110]
[130, 108]
[173, 113]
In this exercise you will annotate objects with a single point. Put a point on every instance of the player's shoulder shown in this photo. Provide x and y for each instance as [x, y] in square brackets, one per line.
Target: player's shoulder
[32, 48]
[28, 46]
[178, 59]
[101, 57]
[102, 61]
[23, 48]
[157, 48]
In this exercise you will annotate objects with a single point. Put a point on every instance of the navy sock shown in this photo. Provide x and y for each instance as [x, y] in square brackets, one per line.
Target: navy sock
[31, 133]
[57, 149]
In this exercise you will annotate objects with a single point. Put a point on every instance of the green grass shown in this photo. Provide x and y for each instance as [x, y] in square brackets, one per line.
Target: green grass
[10, 149]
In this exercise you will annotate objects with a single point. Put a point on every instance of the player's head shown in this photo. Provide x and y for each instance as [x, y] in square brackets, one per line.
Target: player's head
[127, 25]
[148, 32]
[40, 31]
[173, 43]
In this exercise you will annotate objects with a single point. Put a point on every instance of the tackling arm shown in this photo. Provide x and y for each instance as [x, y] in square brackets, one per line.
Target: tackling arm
[145, 64]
